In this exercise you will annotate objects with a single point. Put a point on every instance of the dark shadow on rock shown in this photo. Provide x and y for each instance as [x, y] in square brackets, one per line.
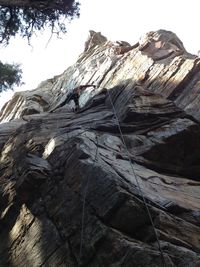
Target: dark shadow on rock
[53, 161]
[158, 134]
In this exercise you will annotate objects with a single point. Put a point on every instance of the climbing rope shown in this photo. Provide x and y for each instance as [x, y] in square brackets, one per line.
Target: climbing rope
[84, 202]
[137, 182]
[136, 179]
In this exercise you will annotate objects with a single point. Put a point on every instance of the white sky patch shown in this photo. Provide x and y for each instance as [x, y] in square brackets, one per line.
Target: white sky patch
[124, 20]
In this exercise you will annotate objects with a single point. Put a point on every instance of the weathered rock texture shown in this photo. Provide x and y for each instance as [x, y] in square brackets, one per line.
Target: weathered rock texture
[86, 188]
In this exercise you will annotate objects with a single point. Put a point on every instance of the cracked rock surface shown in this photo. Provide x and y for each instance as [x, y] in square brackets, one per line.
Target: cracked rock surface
[117, 183]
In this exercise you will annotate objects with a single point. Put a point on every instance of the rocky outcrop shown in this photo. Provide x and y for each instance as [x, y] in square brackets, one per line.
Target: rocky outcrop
[158, 62]
[94, 39]
[115, 184]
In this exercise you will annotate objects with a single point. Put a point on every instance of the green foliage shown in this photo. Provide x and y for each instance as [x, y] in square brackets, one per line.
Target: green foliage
[10, 75]
[25, 17]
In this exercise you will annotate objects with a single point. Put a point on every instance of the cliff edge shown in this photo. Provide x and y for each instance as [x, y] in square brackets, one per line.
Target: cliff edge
[116, 183]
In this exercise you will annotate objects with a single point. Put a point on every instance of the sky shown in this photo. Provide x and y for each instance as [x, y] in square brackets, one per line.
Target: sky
[124, 20]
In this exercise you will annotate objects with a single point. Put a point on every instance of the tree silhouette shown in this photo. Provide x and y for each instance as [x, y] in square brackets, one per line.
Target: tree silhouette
[10, 75]
[25, 17]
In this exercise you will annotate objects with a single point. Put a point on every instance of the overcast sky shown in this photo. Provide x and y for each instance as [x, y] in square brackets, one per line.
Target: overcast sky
[118, 20]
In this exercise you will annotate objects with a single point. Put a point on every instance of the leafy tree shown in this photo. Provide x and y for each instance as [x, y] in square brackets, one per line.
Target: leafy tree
[25, 17]
[10, 75]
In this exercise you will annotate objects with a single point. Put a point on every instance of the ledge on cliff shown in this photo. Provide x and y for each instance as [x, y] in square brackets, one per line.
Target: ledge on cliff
[117, 183]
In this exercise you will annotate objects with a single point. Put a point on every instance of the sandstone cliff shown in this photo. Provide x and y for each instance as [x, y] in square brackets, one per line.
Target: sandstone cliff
[117, 183]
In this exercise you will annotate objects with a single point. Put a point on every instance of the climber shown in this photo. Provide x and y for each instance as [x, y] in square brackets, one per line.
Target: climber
[74, 95]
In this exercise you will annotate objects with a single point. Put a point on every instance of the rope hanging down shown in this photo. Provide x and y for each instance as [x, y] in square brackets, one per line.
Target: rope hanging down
[84, 202]
[137, 182]
[136, 179]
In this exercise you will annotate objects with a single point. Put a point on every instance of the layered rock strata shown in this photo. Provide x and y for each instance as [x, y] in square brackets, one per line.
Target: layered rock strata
[117, 183]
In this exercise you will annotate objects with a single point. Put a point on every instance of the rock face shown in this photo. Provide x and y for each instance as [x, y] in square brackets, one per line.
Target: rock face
[117, 183]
